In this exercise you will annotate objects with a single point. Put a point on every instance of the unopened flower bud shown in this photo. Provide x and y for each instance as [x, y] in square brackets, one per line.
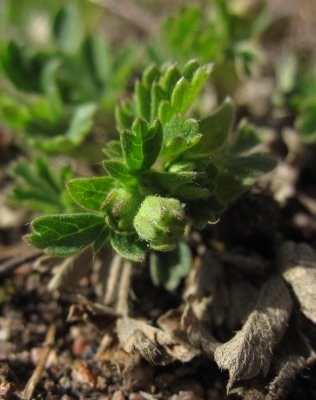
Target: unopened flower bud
[161, 221]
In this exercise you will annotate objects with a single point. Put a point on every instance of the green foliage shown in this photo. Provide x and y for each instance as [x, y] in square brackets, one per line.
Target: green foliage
[225, 32]
[166, 174]
[296, 93]
[55, 92]
[64, 235]
[39, 188]
[168, 269]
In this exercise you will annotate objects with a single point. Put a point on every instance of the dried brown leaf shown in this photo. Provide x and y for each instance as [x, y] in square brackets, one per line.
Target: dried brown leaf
[155, 345]
[249, 352]
[293, 355]
[197, 333]
[98, 314]
[297, 262]
[207, 292]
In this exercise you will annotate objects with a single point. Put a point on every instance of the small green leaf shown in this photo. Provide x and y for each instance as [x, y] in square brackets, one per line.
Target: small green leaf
[80, 126]
[169, 79]
[141, 146]
[90, 193]
[129, 247]
[181, 96]
[64, 235]
[246, 138]
[119, 171]
[168, 269]
[215, 130]
[186, 185]
[124, 115]
[143, 100]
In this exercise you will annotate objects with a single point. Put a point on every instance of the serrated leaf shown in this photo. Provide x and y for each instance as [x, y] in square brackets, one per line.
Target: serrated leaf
[119, 171]
[169, 80]
[38, 188]
[129, 247]
[165, 112]
[141, 146]
[80, 126]
[186, 185]
[124, 115]
[181, 96]
[168, 269]
[150, 75]
[90, 193]
[64, 235]
[142, 100]
[246, 138]
[190, 68]
[215, 130]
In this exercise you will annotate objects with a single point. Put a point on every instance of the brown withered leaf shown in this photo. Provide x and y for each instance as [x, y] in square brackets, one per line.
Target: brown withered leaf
[242, 298]
[197, 333]
[252, 389]
[207, 292]
[297, 262]
[292, 356]
[97, 314]
[249, 352]
[70, 270]
[154, 344]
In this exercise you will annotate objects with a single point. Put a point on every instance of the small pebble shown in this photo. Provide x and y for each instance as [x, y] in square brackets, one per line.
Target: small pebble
[118, 395]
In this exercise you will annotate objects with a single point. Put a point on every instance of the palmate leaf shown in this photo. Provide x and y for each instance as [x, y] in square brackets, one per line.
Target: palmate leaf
[142, 144]
[90, 193]
[64, 235]
[79, 127]
[40, 188]
[164, 92]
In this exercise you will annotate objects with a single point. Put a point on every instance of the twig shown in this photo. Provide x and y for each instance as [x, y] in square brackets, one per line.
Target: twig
[13, 263]
[105, 343]
[34, 379]
[111, 285]
[123, 292]
[130, 12]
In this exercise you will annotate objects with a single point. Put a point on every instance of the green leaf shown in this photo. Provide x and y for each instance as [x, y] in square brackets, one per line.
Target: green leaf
[186, 185]
[64, 235]
[37, 187]
[124, 115]
[101, 240]
[141, 146]
[215, 130]
[90, 193]
[306, 122]
[80, 126]
[119, 171]
[129, 247]
[67, 27]
[168, 81]
[185, 92]
[142, 100]
[246, 138]
[238, 173]
[168, 269]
